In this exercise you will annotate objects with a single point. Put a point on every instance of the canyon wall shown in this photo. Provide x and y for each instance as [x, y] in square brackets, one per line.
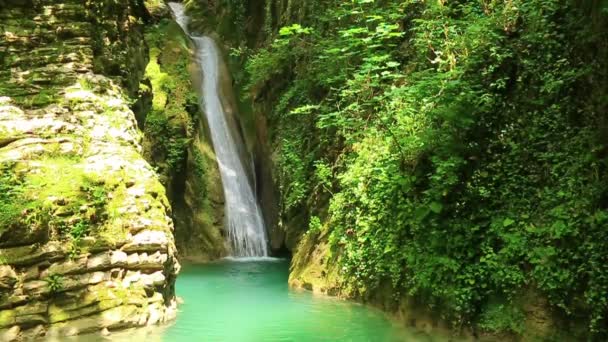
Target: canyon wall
[86, 235]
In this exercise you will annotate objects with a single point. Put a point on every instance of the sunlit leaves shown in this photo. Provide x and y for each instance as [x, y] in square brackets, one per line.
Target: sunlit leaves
[293, 30]
[459, 159]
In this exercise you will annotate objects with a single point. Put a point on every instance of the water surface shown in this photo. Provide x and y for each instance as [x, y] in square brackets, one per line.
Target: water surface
[249, 301]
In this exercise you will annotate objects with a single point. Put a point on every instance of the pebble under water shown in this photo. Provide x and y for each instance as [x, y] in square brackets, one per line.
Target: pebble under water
[249, 301]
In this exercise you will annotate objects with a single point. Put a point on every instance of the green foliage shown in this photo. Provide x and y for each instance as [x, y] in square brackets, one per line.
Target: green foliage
[323, 175]
[85, 84]
[294, 179]
[55, 283]
[170, 144]
[467, 163]
[200, 166]
[314, 225]
[294, 29]
[96, 194]
[228, 16]
[74, 249]
[503, 318]
[79, 230]
[10, 208]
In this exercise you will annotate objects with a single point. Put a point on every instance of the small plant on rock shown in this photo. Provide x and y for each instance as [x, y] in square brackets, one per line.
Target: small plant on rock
[79, 230]
[55, 282]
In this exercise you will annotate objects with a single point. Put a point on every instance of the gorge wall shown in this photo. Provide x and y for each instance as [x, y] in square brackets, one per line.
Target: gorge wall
[86, 237]
[177, 140]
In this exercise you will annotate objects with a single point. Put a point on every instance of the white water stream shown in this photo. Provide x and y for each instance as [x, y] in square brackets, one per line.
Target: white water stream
[245, 224]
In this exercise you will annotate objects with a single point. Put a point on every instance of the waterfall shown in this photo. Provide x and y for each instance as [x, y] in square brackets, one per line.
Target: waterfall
[244, 220]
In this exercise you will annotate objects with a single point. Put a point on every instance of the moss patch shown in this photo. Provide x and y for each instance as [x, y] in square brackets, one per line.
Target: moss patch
[169, 125]
[50, 197]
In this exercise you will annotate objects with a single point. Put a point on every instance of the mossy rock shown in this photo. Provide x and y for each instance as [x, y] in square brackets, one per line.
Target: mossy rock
[7, 318]
[157, 9]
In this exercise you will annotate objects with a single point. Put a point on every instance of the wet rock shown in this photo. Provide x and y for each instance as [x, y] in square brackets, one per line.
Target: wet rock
[59, 314]
[31, 320]
[154, 261]
[157, 297]
[131, 277]
[133, 260]
[66, 128]
[136, 192]
[96, 245]
[170, 311]
[98, 277]
[155, 314]
[7, 318]
[31, 308]
[80, 281]
[71, 283]
[139, 225]
[10, 300]
[121, 316]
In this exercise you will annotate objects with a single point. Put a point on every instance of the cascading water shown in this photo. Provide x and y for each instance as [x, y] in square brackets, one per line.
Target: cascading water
[244, 218]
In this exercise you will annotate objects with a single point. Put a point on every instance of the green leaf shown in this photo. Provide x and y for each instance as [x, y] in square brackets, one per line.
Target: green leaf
[436, 207]
[507, 222]
[421, 213]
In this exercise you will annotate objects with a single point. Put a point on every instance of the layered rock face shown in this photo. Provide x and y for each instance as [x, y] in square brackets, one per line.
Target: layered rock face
[177, 143]
[86, 238]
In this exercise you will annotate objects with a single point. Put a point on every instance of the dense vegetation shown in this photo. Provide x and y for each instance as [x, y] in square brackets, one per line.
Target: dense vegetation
[456, 149]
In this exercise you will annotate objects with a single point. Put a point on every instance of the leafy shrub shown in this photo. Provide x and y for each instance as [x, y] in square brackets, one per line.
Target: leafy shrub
[314, 225]
[503, 318]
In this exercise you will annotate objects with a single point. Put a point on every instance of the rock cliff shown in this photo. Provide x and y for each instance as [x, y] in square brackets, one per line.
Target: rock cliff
[86, 237]
[177, 144]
